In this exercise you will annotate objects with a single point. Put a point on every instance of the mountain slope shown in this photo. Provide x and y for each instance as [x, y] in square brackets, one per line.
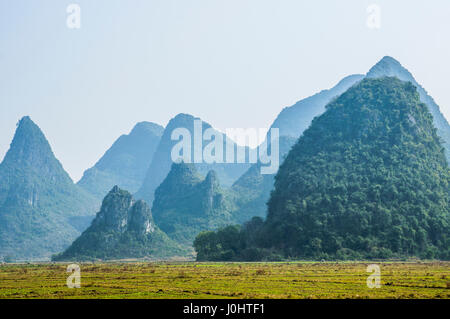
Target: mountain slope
[252, 189]
[388, 66]
[125, 163]
[162, 161]
[293, 120]
[123, 228]
[185, 204]
[41, 209]
[369, 178]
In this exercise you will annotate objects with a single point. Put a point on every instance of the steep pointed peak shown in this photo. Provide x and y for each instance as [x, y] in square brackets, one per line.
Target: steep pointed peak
[147, 127]
[25, 120]
[389, 61]
[30, 148]
[116, 200]
[26, 127]
[115, 189]
[388, 66]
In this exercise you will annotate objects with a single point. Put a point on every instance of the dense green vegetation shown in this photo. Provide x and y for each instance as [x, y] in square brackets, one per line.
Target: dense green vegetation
[252, 190]
[122, 229]
[125, 163]
[41, 209]
[368, 179]
[388, 66]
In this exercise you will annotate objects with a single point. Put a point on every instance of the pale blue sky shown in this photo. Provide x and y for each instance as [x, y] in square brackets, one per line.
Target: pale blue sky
[234, 63]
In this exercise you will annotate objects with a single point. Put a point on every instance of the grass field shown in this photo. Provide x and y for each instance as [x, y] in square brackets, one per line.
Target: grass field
[227, 280]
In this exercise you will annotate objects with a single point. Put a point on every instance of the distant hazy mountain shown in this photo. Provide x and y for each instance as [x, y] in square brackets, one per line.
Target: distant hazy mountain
[41, 209]
[252, 189]
[186, 203]
[162, 161]
[388, 66]
[293, 120]
[125, 163]
[122, 229]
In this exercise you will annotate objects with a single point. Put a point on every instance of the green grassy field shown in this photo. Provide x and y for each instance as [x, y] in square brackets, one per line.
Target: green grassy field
[227, 280]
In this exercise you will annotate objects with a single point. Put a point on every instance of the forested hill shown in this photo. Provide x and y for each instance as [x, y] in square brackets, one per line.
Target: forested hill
[368, 179]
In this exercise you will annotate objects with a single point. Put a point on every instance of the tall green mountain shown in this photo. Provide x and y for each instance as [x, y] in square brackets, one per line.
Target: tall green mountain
[367, 179]
[41, 209]
[292, 121]
[186, 203]
[388, 66]
[123, 228]
[125, 163]
[162, 160]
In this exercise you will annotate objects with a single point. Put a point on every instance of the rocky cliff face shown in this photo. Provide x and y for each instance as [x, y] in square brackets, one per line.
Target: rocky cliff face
[388, 66]
[186, 204]
[113, 215]
[124, 228]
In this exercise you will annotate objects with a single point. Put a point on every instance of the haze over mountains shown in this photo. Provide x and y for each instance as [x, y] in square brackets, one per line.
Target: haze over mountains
[162, 161]
[125, 163]
[42, 211]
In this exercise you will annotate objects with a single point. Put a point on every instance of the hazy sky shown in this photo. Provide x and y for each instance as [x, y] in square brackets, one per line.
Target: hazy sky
[234, 63]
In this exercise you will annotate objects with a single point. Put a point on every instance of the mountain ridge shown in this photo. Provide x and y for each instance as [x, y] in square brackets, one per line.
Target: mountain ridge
[41, 209]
